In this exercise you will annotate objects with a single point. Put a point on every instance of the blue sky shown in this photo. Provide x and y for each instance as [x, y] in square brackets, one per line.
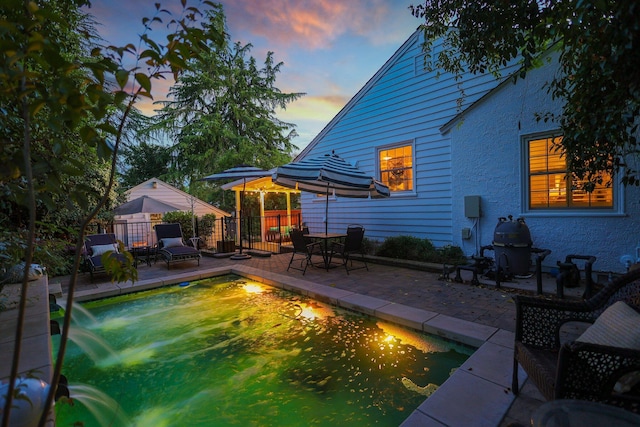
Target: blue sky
[329, 48]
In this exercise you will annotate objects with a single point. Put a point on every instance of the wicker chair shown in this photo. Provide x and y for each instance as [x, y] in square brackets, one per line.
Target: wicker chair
[576, 369]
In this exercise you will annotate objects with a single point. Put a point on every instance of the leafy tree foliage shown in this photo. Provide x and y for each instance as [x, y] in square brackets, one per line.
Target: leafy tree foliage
[223, 114]
[599, 82]
[65, 186]
[144, 161]
[61, 117]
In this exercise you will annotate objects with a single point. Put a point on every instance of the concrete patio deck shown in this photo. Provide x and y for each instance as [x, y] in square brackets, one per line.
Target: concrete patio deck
[477, 394]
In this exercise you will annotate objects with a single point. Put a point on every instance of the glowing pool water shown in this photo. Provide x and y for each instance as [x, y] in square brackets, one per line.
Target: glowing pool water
[230, 352]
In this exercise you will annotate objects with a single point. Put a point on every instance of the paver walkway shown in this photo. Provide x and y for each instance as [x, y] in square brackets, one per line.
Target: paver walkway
[483, 304]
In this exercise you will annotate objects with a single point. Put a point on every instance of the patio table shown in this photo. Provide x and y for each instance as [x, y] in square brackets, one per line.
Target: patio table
[141, 253]
[325, 238]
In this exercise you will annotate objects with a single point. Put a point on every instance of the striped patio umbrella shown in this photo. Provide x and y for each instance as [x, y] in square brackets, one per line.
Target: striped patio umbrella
[329, 174]
[238, 172]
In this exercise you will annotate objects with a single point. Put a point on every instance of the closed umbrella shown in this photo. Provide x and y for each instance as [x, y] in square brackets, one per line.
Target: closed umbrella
[146, 204]
[329, 174]
[239, 172]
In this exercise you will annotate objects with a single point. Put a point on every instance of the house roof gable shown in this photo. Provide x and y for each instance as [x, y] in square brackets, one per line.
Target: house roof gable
[167, 186]
[361, 93]
[547, 56]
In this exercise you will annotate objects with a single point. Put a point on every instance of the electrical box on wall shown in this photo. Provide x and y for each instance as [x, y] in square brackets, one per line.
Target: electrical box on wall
[472, 206]
[466, 233]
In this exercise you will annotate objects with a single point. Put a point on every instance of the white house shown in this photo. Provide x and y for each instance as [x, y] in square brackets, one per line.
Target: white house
[139, 225]
[412, 130]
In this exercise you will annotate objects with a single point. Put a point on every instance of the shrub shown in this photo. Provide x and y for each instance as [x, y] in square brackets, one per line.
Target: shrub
[183, 218]
[452, 255]
[206, 227]
[369, 246]
[416, 249]
[206, 224]
[50, 252]
[55, 255]
[405, 247]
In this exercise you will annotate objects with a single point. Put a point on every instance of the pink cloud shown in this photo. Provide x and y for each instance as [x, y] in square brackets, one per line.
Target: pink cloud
[319, 108]
[310, 23]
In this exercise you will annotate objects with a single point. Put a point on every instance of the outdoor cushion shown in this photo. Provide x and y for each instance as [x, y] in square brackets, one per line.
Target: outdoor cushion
[171, 242]
[627, 382]
[617, 326]
[98, 250]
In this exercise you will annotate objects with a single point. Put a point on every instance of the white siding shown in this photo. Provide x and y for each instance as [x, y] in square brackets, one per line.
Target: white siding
[169, 194]
[397, 105]
[488, 162]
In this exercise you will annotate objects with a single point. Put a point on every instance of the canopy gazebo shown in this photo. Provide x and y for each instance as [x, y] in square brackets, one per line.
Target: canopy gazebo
[263, 186]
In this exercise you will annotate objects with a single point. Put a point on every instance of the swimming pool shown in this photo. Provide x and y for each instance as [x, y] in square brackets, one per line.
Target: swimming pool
[229, 351]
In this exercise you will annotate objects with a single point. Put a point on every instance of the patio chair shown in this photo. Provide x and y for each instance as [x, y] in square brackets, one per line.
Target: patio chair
[171, 245]
[302, 247]
[96, 245]
[352, 244]
[603, 364]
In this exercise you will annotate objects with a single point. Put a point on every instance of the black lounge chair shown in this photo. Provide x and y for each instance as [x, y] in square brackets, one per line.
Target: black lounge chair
[171, 245]
[302, 247]
[352, 245]
[602, 365]
[96, 245]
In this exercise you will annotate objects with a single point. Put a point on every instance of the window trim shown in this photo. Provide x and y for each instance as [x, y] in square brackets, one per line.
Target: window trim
[407, 142]
[616, 209]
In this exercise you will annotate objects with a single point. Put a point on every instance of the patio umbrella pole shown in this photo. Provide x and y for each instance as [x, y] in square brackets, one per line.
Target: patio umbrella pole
[329, 172]
[326, 212]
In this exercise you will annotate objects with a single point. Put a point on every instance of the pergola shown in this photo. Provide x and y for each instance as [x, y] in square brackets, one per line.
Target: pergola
[261, 186]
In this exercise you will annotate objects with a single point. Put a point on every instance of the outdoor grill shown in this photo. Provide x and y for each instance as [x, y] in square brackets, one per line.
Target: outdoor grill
[512, 247]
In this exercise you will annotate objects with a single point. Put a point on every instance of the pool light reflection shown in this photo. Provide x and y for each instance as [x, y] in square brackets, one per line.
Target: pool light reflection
[252, 288]
[307, 312]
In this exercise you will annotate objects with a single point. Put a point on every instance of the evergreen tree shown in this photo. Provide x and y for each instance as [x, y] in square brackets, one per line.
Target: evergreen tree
[223, 113]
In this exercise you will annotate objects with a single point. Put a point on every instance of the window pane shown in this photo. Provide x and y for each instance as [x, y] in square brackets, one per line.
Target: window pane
[556, 163]
[539, 192]
[548, 181]
[602, 197]
[538, 156]
[396, 168]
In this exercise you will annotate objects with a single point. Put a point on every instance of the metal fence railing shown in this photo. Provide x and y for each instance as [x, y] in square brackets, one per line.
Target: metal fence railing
[267, 233]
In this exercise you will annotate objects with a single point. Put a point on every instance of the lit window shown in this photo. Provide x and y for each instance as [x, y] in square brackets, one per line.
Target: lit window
[396, 168]
[550, 187]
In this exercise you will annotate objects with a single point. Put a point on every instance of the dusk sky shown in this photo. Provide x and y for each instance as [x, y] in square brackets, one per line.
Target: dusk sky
[329, 48]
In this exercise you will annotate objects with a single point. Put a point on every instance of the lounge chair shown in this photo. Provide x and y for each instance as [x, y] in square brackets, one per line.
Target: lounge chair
[304, 248]
[602, 364]
[96, 245]
[171, 245]
[352, 244]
